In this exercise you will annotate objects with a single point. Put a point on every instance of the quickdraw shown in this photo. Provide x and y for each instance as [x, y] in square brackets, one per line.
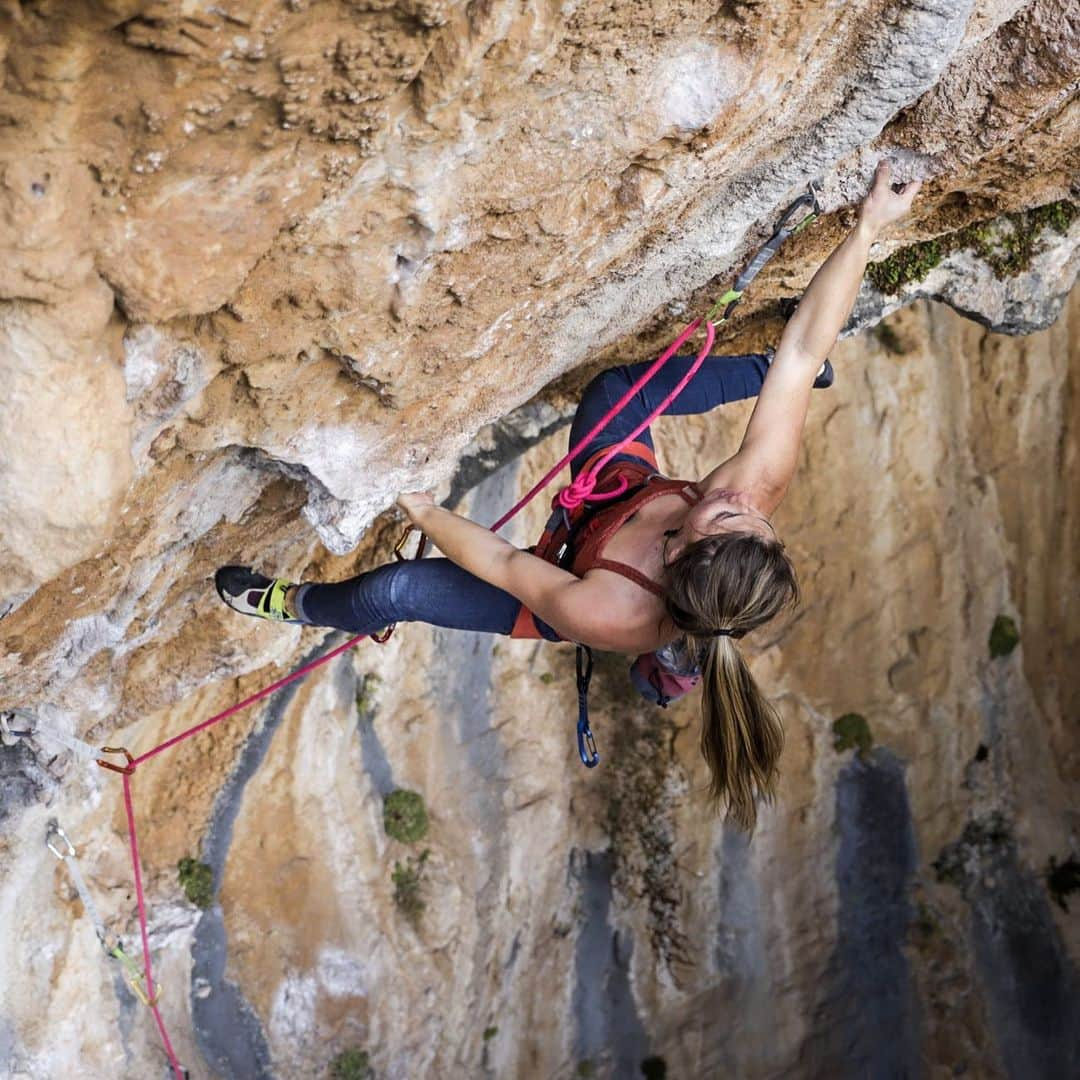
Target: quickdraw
[56, 840]
[586, 744]
[783, 231]
[32, 727]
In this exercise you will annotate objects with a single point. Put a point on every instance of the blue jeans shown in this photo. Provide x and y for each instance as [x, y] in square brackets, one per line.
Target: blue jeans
[440, 592]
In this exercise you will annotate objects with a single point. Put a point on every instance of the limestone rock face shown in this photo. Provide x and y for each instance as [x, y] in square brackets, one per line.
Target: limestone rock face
[267, 263]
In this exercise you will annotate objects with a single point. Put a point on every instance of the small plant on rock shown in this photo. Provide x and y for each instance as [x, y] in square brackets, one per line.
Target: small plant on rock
[405, 816]
[197, 881]
[852, 732]
[408, 879]
[366, 690]
[1007, 244]
[352, 1064]
[908, 264]
[1004, 637]
[889, 339]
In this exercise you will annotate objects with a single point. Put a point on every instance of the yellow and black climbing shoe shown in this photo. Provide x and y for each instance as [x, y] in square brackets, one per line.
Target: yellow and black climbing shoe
[253, 594]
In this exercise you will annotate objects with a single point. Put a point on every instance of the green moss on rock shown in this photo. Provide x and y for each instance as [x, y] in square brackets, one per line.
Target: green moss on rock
[352, 1064]
[197, 881]
[1004, 637]
[852, 732]
[1058, 216]
[408, 879]
[1007, 244]
[405, 816]
[908, 264]
[365, 695]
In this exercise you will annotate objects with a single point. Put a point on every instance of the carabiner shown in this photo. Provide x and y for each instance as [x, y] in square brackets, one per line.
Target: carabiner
[135, 979]
[585, 742]
[583, 661]
[127, 769]
[808, 198]
[399, 547]
[9, 735]
[55, 831]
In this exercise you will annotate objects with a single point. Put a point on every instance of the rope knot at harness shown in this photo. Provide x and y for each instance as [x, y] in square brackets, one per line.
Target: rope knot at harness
[583, 489]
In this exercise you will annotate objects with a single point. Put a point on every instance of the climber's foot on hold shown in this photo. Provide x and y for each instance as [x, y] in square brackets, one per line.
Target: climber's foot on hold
[822, 380]
[254, 594]
[825, 376]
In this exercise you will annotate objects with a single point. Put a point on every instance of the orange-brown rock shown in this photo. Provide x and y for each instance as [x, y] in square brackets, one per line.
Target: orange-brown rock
[265, 264]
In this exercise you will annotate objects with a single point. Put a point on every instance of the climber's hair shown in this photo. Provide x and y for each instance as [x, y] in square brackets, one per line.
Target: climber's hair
[736, 581]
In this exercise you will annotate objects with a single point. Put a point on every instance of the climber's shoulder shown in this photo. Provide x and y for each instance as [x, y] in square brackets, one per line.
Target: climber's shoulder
[601, 609]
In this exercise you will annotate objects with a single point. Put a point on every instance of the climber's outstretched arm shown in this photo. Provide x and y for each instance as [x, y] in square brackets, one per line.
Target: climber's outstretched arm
[578, 609]
[766, 461]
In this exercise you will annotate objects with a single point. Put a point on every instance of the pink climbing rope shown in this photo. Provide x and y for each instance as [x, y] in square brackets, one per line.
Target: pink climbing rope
[581, 489]
[584, 487]
[129, 809]
[266, 691]
[610, 415]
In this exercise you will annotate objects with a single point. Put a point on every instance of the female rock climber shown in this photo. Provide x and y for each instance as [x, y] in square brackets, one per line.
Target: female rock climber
[698, 563]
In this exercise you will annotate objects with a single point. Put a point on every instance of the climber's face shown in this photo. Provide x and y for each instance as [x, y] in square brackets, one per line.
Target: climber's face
[718, 512]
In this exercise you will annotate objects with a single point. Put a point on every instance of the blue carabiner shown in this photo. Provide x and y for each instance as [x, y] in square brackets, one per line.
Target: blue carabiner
[585, 742]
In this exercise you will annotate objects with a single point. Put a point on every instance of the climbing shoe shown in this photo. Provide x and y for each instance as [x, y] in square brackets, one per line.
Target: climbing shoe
[822, 380]
[253, 594]
[824, 376]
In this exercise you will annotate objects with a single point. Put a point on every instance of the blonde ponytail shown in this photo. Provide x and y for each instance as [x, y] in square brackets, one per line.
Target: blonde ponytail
[719, 589]
[741, 734]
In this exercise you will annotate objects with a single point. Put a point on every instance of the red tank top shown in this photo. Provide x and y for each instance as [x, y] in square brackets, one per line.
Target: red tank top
[587, 541]
[604, 523]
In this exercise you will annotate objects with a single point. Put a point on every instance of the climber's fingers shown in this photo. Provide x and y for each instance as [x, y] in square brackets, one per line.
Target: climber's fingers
[414, 502]
[886, 203]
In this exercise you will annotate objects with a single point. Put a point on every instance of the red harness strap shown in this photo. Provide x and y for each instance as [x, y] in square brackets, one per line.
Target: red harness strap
[579, 547]
[627, 571]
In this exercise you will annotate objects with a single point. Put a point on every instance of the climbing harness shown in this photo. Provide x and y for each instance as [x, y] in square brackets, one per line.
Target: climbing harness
[573, 495]
[58, 843]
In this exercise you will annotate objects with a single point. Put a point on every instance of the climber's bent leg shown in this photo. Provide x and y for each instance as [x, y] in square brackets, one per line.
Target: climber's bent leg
[434, 591]
[719, 380]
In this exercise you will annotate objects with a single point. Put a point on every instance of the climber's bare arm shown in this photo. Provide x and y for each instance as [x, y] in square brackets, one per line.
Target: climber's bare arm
[766, 461]
[586, 610]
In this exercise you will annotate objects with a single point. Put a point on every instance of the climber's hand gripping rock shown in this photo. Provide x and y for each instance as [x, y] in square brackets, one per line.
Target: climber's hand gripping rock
[883, 205]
